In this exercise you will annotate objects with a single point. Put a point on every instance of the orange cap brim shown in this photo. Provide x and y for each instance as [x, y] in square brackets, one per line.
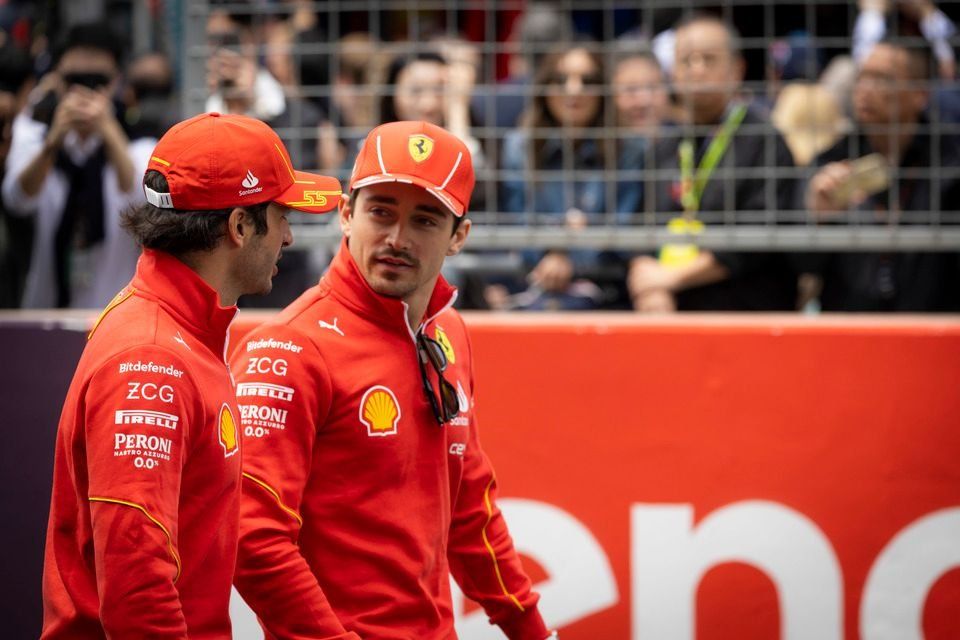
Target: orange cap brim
[311, 193]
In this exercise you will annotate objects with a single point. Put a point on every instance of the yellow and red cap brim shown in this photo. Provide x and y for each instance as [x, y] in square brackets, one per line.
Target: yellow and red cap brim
[311, 193]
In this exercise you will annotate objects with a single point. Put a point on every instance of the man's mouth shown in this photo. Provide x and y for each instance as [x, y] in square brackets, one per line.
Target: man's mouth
[396, 261]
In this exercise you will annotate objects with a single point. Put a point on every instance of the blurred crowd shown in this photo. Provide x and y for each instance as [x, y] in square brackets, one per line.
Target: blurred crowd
[675, 125]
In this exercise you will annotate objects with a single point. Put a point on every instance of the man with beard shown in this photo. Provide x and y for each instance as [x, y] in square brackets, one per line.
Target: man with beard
[142, 536]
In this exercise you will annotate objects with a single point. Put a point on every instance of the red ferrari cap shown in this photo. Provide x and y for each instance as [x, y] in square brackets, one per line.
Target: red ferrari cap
[420, 153]
[215, 161]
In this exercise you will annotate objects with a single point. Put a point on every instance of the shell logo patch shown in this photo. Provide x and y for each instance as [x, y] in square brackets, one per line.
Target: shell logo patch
[420, 147]
[228, 432]
[441, 337]
[380, 411]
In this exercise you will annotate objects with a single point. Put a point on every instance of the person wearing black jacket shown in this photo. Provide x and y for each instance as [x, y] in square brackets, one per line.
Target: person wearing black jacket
[724, 164]
[890, 99]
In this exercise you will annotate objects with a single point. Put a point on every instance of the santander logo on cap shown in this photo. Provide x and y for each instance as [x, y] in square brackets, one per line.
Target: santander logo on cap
[421, 153]
[250, 182]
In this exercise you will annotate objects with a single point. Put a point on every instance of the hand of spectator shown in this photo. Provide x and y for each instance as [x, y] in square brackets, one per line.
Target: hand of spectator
[330, 152]
[279, 37]
[94, 108]
[496, 296]
[461, 77]
[232, 74]
[646, 274]
[824, 193]
[553, 273]
[67, 116]
[576, 219]
[655, 301]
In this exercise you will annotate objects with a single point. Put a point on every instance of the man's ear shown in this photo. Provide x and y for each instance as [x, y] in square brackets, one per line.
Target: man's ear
[459, 238]
[345, 212]
[239, 227]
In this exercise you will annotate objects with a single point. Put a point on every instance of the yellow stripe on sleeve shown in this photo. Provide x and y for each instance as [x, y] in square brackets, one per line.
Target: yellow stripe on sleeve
[493, 554]
[117, 299]
[173, 552]
[276, 496]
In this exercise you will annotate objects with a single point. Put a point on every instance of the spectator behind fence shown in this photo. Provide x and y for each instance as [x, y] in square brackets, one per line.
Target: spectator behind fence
[239, 83]
[351, 103]
[553, 171]
[913, 18]
[73, 169]
[914, 182]
[15, 231]
[809, 118]
[537, 30]
[424, 86]
[149, 107]
[713, 164]
[641, 104]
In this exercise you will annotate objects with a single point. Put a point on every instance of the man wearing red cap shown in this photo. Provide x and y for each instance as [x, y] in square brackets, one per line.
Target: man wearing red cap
[142, 536]
[365, 483]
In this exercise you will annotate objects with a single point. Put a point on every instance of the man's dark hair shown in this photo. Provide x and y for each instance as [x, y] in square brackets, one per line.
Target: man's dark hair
[92, 35]
[702, 17]
[16, 67]
[920, 64]
[180, 232]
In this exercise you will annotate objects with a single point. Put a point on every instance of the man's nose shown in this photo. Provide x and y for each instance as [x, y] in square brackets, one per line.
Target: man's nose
[397, 236]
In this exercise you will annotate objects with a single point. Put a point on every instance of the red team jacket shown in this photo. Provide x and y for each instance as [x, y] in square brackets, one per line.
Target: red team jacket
[141, 541]
[357, 505]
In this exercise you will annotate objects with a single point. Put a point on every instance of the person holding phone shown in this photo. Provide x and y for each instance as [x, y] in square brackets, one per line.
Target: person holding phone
[890, 101]
[73, 169]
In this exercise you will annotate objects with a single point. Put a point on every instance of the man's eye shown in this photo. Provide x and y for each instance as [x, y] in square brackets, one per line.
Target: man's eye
[427, 221]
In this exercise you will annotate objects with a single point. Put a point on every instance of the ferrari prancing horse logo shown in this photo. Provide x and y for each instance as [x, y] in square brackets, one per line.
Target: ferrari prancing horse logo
[420, 147]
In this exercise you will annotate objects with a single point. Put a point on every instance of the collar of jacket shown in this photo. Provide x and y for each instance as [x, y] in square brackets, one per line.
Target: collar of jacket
[186, 296]
[349, 286]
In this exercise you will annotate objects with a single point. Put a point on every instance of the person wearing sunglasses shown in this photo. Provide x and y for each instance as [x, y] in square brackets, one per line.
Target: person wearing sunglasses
[72, 169]
[559, 170]
[365, 483]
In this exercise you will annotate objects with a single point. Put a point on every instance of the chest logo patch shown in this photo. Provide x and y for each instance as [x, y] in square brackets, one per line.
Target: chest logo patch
[228, 432]
[441, 337]
[380, 411]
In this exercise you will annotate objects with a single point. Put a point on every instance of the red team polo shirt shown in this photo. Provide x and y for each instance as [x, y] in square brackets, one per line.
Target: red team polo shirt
[357, 505]
[141, 541]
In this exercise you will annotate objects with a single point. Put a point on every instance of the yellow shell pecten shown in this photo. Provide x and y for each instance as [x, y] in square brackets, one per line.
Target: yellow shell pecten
[380, 410]
[228, 431]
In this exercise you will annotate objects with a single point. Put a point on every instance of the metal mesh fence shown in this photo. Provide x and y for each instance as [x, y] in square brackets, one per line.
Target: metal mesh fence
[547, 182]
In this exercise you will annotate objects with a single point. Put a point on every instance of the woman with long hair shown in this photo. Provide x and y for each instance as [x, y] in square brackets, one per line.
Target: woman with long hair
[558, 167]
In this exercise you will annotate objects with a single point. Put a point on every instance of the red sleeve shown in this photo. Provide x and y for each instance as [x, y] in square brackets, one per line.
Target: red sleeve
[481, 553]
[138, 422]
[283, 392]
